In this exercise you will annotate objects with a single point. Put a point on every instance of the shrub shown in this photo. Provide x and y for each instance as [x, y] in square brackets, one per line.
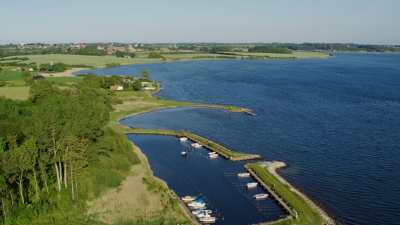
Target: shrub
[155, 55]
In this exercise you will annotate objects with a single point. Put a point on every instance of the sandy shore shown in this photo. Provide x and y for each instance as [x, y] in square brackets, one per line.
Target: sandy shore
[67, 73]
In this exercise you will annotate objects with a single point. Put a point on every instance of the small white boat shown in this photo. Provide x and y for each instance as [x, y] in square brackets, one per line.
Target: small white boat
[197, 212]
[203, 214]
[196, 145]
[207, 219]
[212, 153]
[197, 205]
[243, 174]
[201, 211]
[184, 153]
[213, 156]
[261, 196]
[183, 139]
[252, 185]
[188, 198]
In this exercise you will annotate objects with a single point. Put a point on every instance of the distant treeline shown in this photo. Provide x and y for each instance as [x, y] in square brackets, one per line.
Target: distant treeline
[270, 49]
[341, 47]
[91, 49]
[88, 50]
[286, 47]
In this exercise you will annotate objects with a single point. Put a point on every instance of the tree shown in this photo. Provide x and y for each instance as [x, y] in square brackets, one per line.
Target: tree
[120, 54]
[31, 150]
[155, 55]
[145, 75]
[19, 164]
[76, 158]
[3, 194]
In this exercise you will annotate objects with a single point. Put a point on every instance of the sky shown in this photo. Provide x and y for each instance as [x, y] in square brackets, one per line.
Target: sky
[149, 21]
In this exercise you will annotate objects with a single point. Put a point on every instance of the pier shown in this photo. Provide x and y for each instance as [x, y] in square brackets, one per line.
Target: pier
[206, 143]
[302, 210]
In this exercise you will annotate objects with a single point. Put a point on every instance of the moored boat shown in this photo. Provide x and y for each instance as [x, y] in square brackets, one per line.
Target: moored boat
[212, 155]
[197, 205]
[183, 153]
[207, 219]
[183, 139]
[196, 145]
[261, 196]
[252, 185]
[203, 214]
[243, 174]
[188, 198]
[200, 211]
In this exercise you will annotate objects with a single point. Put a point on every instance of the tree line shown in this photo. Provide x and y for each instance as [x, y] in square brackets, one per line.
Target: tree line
[128, 82]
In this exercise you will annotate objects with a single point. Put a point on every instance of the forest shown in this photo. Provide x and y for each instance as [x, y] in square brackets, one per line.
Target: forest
[56, 151]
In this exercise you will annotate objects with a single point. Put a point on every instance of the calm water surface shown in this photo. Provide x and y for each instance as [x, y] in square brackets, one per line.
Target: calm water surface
[335, 122]
[215, 180]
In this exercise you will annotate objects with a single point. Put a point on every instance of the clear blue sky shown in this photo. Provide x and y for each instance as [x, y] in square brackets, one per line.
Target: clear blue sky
[360, 21]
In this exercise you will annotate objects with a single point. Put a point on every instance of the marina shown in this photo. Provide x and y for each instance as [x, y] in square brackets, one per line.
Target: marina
[210, 189]
[258, 188]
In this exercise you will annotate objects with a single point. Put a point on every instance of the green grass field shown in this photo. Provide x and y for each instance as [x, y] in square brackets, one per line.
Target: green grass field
[142, 57]
[17, 93]
[64, 80]
[94, 61]
[13, 78]
[102, 61]
[8, 75]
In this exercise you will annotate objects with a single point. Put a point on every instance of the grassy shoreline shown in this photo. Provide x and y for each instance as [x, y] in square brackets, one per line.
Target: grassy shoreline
[302, 211]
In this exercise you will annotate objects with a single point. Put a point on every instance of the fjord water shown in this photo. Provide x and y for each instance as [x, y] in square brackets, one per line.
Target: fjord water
[335, 122]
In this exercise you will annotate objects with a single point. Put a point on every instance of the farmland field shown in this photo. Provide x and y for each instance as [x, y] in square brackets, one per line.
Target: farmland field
[94, 61]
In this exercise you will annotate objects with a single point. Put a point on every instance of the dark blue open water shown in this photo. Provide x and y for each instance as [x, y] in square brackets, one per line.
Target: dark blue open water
[336, 122]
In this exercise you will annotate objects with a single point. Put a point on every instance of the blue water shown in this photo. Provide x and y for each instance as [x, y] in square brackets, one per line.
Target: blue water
[335, 122]
[214, 180]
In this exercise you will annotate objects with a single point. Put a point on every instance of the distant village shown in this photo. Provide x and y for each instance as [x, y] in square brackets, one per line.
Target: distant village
[107, 48]
[113, 48]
